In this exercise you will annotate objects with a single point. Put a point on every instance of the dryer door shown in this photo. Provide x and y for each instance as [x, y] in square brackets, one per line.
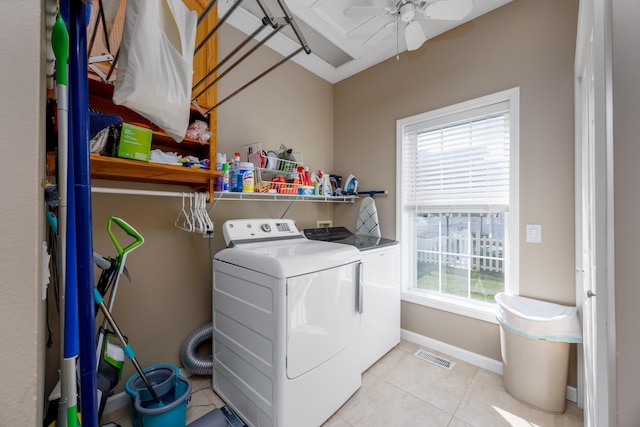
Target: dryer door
[322, 316]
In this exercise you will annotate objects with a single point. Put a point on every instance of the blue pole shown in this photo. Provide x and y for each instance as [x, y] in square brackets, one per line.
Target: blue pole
[71, 339]
[79, 100]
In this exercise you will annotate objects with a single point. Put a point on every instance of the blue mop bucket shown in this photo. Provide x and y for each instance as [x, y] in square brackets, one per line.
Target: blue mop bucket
[173, 391]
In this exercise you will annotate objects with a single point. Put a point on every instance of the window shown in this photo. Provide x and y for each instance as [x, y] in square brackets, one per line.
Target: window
[457, 204]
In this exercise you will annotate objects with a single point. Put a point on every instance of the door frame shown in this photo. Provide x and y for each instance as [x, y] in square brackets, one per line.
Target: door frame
[594, 34]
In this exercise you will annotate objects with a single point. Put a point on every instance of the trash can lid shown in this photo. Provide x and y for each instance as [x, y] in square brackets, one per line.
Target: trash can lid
[538, 320]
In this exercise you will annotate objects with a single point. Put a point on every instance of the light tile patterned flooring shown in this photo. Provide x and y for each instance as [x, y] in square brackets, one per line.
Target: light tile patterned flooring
[402, 390]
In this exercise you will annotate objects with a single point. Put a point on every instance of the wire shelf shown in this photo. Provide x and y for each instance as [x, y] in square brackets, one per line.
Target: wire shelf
[277, 171]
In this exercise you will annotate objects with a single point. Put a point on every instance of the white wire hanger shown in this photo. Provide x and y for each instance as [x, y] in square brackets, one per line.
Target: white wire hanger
[205, 214]
[195, 218]
[183, 221]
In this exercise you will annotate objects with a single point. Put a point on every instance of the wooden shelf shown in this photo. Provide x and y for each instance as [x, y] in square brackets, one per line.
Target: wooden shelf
[131, 170]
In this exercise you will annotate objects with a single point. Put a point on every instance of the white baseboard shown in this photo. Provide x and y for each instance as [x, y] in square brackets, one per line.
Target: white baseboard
[457, 352]
[116, 402]
[467, 356]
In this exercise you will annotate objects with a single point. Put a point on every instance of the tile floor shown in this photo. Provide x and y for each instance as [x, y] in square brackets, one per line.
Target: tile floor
[402, 390]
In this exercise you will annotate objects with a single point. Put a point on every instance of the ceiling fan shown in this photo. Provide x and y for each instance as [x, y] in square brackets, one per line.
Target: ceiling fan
[408, 12]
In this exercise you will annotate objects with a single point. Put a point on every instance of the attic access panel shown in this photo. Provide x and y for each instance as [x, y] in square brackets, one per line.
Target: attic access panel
[320, 45]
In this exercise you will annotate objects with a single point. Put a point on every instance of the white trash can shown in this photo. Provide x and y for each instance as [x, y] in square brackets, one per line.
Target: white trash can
[535, 337]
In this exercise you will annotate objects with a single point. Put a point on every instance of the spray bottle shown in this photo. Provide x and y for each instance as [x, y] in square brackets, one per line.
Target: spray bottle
[235, 176]
[225, 177]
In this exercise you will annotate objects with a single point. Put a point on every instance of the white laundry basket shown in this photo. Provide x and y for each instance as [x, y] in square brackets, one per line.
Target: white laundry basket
[535, 337]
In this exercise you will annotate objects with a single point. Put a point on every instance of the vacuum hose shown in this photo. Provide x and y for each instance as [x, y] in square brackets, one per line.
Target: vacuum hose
[191, 359]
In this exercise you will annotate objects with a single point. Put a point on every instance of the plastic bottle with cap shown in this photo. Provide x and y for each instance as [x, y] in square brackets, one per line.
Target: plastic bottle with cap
[236, 178]
[225, 177]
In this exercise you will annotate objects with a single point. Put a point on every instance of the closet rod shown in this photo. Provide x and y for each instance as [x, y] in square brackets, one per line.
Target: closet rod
[134, 192]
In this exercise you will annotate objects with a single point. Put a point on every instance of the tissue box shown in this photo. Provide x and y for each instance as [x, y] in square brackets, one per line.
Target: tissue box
[135, 142]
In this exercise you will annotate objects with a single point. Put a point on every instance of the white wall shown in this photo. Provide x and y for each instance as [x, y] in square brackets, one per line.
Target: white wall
[22, 226]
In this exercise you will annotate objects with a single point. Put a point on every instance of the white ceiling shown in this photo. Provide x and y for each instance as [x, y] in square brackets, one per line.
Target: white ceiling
[337, 38]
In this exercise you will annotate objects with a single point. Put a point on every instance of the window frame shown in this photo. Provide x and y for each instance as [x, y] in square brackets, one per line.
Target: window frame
[404, 227]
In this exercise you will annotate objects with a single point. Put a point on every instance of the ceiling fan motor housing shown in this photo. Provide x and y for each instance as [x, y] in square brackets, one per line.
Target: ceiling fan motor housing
[407, 12]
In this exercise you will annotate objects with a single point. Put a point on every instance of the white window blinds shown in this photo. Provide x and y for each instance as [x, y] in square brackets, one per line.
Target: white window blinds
[459, 161]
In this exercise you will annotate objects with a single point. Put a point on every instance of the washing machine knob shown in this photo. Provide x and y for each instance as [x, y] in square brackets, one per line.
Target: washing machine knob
[266, 228]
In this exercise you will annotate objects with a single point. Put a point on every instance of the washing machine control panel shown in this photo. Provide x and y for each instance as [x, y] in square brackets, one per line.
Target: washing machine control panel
[247, 230]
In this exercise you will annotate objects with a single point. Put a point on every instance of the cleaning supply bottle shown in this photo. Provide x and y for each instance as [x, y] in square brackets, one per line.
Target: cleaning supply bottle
[225, 177]
[221, 159]
[236, 178]
[326, 186]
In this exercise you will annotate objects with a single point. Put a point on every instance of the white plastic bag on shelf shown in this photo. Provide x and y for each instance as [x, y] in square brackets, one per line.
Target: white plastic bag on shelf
[155, 66]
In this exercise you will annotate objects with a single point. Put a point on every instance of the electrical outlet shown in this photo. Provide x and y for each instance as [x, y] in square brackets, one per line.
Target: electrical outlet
[324, 223]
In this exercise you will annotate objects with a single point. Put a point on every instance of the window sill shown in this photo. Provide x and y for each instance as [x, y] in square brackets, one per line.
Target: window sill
[484, 312]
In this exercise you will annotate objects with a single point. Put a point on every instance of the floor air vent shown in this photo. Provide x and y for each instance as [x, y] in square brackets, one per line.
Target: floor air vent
[436, 360]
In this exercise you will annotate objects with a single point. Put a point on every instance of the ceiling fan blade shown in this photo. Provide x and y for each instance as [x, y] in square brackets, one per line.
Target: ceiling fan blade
[383, 33]
[414, 35]
[450, 10]
[355, 11]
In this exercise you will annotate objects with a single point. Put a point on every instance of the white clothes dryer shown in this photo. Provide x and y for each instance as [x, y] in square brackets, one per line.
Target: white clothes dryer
[380, 276]
[286, 313]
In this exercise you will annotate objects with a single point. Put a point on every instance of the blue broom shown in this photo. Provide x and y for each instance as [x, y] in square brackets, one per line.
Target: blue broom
[79, 109]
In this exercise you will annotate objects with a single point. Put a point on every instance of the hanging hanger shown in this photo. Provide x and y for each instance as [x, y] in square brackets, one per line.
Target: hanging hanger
[196, 219]
[205, 214]
[199, 212]
[183, 221]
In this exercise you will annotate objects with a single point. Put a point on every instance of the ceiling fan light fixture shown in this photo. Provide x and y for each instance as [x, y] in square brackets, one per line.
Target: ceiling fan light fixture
[414, 35]
[407, 12]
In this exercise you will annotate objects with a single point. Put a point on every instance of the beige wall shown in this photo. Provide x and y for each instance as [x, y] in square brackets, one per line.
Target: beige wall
[552, 24]
[525, 43]
[626, 128]
[21, 169]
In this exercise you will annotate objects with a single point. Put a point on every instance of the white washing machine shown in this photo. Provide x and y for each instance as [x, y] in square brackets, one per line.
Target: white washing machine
[286, 313]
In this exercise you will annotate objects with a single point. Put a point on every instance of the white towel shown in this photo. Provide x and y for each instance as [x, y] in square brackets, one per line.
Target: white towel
[367, 223]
